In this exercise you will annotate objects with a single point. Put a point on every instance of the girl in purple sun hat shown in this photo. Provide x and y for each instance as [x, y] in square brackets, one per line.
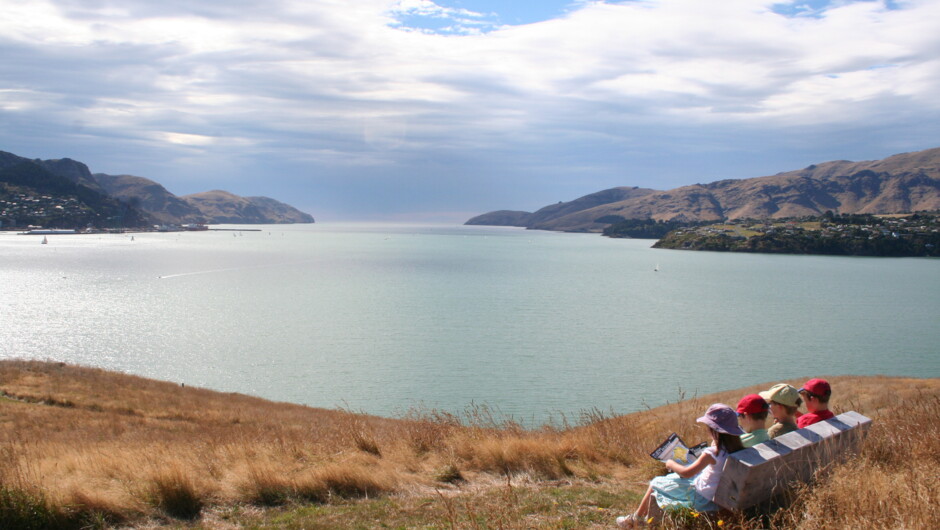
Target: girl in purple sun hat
[693, 486]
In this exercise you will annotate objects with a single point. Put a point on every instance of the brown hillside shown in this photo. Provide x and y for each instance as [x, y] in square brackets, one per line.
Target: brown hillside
[223, 207]
[87, 448]
[163, 206]
[901, 183]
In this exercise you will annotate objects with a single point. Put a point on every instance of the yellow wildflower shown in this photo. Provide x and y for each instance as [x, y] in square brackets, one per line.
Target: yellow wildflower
[649, 521]
[721, 523]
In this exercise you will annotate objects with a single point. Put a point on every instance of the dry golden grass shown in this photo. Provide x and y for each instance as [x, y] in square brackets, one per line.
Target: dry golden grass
[81, 447]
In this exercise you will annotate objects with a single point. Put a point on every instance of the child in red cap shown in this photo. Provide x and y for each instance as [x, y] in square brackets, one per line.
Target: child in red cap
[752, 415]
[815, 394]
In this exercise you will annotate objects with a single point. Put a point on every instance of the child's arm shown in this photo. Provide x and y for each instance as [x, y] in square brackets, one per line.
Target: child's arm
[692, 469]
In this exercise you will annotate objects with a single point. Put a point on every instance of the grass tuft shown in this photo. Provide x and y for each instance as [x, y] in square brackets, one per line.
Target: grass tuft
[449, 474]
[265, 487]
[366, 443]
[176, 495]
[354, 482]
[26, 510]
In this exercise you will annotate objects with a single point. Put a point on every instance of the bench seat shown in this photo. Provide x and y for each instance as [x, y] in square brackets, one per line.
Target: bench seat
[758, 474]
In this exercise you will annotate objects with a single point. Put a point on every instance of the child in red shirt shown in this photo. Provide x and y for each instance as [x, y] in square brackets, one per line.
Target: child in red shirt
[815, 394]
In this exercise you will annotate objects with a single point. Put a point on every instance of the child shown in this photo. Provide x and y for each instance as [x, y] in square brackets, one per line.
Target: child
[752, 414]
[693, 486]
[816, 394]
[784, 399]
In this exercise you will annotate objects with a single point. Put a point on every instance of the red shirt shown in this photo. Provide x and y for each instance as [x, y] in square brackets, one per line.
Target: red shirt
[813, 417]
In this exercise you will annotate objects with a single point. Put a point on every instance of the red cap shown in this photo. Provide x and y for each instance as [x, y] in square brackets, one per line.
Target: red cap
[752, 404]
[817, 387]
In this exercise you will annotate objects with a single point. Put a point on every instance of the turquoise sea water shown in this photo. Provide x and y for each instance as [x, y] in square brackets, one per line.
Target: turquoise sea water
[381, 318]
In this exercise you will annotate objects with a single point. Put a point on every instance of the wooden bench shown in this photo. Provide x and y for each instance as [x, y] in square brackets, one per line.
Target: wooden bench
[758, 474]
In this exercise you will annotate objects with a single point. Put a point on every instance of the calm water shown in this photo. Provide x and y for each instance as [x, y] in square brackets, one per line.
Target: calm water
[380, 318]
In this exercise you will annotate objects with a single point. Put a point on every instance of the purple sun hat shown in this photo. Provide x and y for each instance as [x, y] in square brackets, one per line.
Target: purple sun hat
[722, 418]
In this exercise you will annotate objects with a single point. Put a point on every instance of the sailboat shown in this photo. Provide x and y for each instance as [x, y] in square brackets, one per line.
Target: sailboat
[44, 240]
[656, 268]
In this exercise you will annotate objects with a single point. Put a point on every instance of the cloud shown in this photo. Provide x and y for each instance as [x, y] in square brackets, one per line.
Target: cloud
[369, 91]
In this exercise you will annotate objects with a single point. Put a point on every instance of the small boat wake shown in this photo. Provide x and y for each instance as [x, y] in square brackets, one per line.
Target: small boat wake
[228, 269]
[213, 271]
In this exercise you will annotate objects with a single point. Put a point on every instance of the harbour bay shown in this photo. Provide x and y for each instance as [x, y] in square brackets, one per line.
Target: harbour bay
[382, 318]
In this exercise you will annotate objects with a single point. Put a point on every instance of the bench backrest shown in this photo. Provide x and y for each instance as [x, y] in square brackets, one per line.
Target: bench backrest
[760, 473]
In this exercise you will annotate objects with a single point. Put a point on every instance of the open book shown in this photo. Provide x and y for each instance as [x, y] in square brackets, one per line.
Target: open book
[673, 448]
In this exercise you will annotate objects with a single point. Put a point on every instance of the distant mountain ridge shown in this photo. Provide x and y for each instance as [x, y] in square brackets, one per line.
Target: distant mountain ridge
[213, 207]
[161, 206]
[901, 183]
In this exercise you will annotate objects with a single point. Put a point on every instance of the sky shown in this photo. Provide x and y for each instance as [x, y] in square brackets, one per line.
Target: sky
[421, 110]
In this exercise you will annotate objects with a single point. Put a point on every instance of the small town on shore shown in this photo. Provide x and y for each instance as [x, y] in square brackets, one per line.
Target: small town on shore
[915, 234]
[53, 212]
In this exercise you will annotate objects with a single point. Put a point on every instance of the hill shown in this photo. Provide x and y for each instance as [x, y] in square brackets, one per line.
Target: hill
[30, 194]
[901, 183]
[73, 170]
[84, 448]
[149, 202]
[163, 206]
[223, 207]
[213, 207]
[914, 235]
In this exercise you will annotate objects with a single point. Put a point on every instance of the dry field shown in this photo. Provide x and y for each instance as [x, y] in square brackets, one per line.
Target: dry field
[86, 448]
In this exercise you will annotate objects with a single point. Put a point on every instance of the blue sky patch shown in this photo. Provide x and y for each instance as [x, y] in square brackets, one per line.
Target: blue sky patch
[476, 16]
[815, 8]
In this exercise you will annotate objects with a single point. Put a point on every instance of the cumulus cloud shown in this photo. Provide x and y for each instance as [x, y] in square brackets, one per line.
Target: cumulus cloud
[329, 85]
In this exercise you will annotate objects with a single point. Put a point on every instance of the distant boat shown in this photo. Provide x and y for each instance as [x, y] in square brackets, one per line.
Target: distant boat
[656, 268]
[44, 240]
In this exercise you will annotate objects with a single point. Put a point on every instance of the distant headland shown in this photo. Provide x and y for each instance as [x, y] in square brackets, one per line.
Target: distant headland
[64, 193]
[903, 183]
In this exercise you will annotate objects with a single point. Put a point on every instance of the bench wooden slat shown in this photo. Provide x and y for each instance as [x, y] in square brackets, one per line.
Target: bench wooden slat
[758, 474]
